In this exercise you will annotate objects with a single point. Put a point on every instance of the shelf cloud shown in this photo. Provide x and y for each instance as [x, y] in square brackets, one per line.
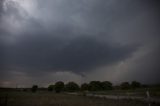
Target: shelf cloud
[84, 39]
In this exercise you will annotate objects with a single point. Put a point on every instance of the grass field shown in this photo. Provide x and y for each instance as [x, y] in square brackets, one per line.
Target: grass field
[52, 99]
[154, 92]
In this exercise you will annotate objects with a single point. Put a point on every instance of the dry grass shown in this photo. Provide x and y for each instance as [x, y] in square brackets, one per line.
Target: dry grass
[52, 99]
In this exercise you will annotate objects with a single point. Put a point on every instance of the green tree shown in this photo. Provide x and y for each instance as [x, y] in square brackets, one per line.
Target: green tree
[71, 87]
[50, 87]
[85, 87]
[34, 88]
[59, 86]
[135, 84]
[95, 86]
[125, 85]
[106, 85]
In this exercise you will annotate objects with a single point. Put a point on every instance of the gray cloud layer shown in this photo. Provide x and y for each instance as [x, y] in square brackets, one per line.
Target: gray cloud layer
[79, 36]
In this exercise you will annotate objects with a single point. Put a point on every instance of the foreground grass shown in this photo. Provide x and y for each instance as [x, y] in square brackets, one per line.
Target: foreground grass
[52, 99]
[154, 92]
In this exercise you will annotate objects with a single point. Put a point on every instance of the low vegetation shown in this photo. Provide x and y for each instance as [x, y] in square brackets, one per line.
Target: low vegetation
[61, 99]
[71, 94]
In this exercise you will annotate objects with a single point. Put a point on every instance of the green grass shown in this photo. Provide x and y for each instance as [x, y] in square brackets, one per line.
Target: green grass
[52, 99]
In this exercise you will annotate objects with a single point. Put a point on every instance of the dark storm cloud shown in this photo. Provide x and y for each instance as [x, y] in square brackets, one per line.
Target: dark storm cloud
[1, 7]
[79, 54]
[1, 42]
[40, 49]
[77, 35]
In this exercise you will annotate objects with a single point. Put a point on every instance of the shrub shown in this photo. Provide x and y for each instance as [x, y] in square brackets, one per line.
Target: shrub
[59, 86]
[51, 87]
[34, 88]
[71, 87]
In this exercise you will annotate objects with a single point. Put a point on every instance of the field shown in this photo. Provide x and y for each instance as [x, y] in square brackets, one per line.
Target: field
[141, 92]
[52, 99]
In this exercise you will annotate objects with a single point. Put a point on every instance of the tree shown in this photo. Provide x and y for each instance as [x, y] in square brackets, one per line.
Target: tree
[59, 86]
[95, 86]
[50, 87]
[125, 85]
[85, 87]
[106, 85]
[71, 87]
[135, 84]
[34, 88]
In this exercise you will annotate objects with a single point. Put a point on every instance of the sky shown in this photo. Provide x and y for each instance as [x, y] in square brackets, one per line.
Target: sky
[44, 41]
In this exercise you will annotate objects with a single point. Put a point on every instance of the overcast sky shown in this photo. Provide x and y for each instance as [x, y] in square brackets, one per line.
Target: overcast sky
[44, 41]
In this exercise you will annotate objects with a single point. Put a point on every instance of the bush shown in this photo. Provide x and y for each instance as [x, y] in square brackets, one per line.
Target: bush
[135, 84]
[59, 86]
[125, 85]
[34, 88]
[51, 87]
[71, 87]
[106, 85]
[85, 87]
[95, 86]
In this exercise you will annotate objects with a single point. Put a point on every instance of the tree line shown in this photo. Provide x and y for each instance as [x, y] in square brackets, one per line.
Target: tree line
[91, 86]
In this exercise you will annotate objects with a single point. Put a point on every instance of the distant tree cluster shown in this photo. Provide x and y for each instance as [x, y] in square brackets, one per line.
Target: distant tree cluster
[73, 87]
[60, 87]
[34, 88]
[99, 86]
[132, 85]
[91, 86]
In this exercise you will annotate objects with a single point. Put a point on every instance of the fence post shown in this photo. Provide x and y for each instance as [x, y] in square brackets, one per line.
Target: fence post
[148, 98]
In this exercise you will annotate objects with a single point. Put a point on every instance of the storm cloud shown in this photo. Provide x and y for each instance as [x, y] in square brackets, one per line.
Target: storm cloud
[79, 38]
